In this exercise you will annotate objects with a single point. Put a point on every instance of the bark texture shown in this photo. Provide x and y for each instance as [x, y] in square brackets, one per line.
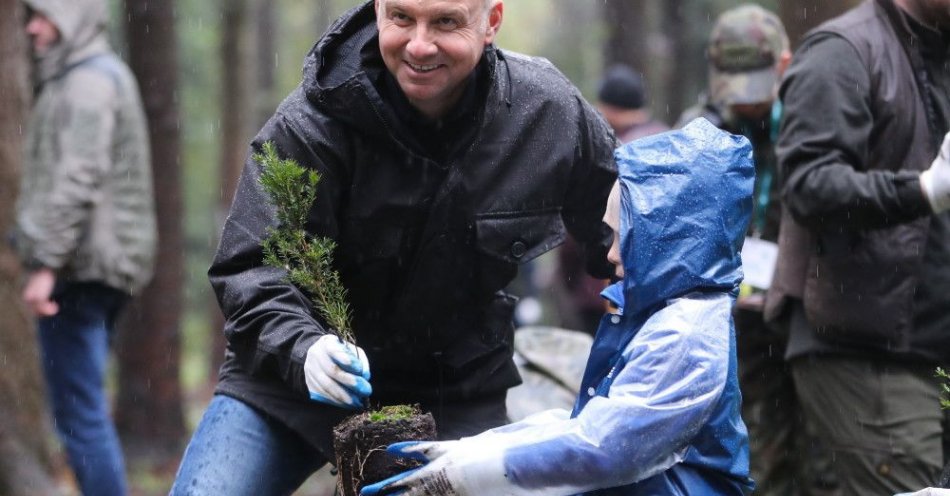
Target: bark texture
[25, 453]
[149, 407]
[236, 111]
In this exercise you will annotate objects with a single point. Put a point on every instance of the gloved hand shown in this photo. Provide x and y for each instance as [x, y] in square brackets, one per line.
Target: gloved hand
[337, 373]
[935, 181]
[459, 468]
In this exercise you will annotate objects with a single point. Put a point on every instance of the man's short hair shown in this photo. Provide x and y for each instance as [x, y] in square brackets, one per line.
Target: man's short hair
[745, 47]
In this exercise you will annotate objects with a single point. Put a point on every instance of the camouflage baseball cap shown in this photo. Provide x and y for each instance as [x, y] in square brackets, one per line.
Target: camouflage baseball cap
[745, 46]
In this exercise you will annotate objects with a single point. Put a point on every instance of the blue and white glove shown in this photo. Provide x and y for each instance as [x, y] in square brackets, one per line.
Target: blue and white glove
[337, 373]
[458, 468]
[935, 181]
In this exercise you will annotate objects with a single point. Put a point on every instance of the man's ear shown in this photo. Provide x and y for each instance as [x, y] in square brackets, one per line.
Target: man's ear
[783, 60]
[495, 15]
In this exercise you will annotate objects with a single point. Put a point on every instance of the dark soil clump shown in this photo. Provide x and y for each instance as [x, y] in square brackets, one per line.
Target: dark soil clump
[360, 443]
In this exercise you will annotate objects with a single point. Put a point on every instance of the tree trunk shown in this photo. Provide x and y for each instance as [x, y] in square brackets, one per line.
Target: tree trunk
[236, 110]
[626, 33]
[25, 456]
[680, 68]
[149, 411]
[801, 15]
[266, 31]
[650, 36]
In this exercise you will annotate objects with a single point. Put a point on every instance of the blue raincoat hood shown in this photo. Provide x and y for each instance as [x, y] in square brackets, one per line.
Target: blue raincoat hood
[673, 240]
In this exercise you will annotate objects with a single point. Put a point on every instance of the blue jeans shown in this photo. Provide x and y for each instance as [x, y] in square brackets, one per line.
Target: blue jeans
[74, 346]
[237, 450]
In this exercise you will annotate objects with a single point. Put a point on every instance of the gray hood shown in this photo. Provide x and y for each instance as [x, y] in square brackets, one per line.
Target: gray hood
[82, 29]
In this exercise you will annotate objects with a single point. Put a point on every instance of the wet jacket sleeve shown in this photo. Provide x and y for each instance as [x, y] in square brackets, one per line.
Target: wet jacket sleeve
[823, 145]
[594, 175]
[674, 374]
[269, 326]
[84, 139]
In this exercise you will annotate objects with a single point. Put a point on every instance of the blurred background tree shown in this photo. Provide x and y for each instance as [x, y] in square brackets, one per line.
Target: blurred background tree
[148, 407]
[26, 461]
[211, 73]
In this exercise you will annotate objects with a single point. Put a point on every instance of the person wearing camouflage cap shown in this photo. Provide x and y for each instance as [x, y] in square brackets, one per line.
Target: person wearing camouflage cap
[748, 50]
[86, 227]
[747, 53]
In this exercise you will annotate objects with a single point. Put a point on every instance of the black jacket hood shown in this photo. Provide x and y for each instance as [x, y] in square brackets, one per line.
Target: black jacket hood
[427, 243]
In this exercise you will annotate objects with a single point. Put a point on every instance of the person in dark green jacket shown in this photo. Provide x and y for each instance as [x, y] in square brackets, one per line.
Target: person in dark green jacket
[863, 275]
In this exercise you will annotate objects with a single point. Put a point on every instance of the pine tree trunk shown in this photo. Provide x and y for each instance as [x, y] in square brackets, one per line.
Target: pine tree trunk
[235, 51]
[626, 33]
[681, 68]
[266, 99]
[25, 456]
[149, 410]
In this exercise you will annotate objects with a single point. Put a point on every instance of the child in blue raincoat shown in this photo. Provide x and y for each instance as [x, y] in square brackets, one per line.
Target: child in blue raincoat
[658, 410]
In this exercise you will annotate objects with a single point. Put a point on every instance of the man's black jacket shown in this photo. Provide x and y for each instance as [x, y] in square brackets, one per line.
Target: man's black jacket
[859, 127]
[425, 247]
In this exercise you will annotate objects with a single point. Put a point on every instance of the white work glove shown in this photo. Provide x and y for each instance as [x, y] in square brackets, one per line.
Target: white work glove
[935, 181]
[459, 468]
[337, 373]
[928, 492]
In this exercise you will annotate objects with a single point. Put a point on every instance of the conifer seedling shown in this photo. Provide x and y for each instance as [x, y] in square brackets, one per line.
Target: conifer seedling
[307, 259]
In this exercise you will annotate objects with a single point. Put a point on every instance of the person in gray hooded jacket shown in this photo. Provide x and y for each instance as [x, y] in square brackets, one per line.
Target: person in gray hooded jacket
[85, 219]
[445, 163]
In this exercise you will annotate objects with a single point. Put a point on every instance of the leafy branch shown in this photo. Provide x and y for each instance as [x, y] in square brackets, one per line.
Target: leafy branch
[307, 259]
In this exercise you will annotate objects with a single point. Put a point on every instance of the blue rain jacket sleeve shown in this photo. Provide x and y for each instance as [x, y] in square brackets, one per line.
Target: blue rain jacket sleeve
[672, 375]
[658, 411]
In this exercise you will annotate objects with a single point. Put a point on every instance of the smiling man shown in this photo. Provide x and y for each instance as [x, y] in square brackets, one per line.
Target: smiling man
[446, 163]
[431, 51]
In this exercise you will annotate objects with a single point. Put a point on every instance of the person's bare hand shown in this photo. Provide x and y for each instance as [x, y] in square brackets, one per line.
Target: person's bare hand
[38, 291]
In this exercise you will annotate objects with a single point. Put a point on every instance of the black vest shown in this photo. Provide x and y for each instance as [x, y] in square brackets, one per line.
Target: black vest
[858, 286]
